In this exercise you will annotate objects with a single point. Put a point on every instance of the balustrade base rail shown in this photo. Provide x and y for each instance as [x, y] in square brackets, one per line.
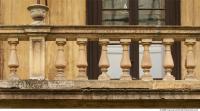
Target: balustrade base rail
[93, 93]
[96, 84]
[100, 90]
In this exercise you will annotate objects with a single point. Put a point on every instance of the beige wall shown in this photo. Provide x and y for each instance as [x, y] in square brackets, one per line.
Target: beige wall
[9, 16]
[65, 12]
[190, 17]
[72, 12]
[62, 12]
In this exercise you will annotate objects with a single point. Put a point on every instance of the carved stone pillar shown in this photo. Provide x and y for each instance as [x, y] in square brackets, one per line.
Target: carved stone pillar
[125, 61]
[37, 57]
[82, 60]
[146, 60]
[104, 62]
[37, 41]
[168, 60]
[60, 59]
[13, 62]
[190, 62]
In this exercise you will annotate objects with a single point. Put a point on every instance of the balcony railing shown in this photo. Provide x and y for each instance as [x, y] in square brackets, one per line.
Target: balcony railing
[38, 33]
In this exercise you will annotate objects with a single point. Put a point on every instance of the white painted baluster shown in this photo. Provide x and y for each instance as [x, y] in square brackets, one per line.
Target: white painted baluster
[168, 60]
[13, 62]
[125, 61]
[82, 60]
[104, 62]
[190, 61]
[60, 59]
[146, 60]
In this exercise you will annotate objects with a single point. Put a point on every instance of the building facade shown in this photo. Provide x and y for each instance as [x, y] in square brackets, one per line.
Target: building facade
[69, 54]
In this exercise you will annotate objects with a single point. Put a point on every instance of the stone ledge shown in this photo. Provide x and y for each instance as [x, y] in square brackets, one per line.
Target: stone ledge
[99, 94]
[41, 103]
[134, 84]
[100, 90]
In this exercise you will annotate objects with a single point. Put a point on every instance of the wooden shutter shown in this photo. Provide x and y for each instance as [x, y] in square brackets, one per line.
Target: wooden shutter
[93, 49]
[173, 18]
[93, 12]
[134, 46]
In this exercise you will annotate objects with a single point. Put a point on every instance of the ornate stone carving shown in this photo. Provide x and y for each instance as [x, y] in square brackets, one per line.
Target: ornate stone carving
[38, 13]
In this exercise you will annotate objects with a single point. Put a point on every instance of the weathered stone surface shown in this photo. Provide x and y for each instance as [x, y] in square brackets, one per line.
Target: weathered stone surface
[93, 32]
[113, 84]
[99, 94]
[29, 84]
[38, 13]
[61, 84]
[58, 103]
[100, 90]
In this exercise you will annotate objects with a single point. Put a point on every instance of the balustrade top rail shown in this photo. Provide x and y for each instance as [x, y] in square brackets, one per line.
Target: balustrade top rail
[96, 32]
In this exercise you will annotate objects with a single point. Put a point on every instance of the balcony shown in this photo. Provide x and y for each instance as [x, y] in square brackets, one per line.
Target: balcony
[37, 87]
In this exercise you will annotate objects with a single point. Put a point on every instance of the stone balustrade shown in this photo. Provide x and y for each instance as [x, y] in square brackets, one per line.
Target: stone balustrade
[38, 34]
[37, 87]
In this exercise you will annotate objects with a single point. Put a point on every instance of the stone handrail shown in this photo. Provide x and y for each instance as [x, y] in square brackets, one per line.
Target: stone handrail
[133, 32]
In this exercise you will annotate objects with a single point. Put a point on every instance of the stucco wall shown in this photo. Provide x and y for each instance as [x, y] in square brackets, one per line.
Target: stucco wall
[190, 17]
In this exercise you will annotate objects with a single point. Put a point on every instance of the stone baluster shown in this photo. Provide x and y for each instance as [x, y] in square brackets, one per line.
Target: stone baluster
[60, 59]
[104, 62]
[125, 61]
[146, 60]
[190, 62]
[82, 60]
[13, 62]
[168, 60]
